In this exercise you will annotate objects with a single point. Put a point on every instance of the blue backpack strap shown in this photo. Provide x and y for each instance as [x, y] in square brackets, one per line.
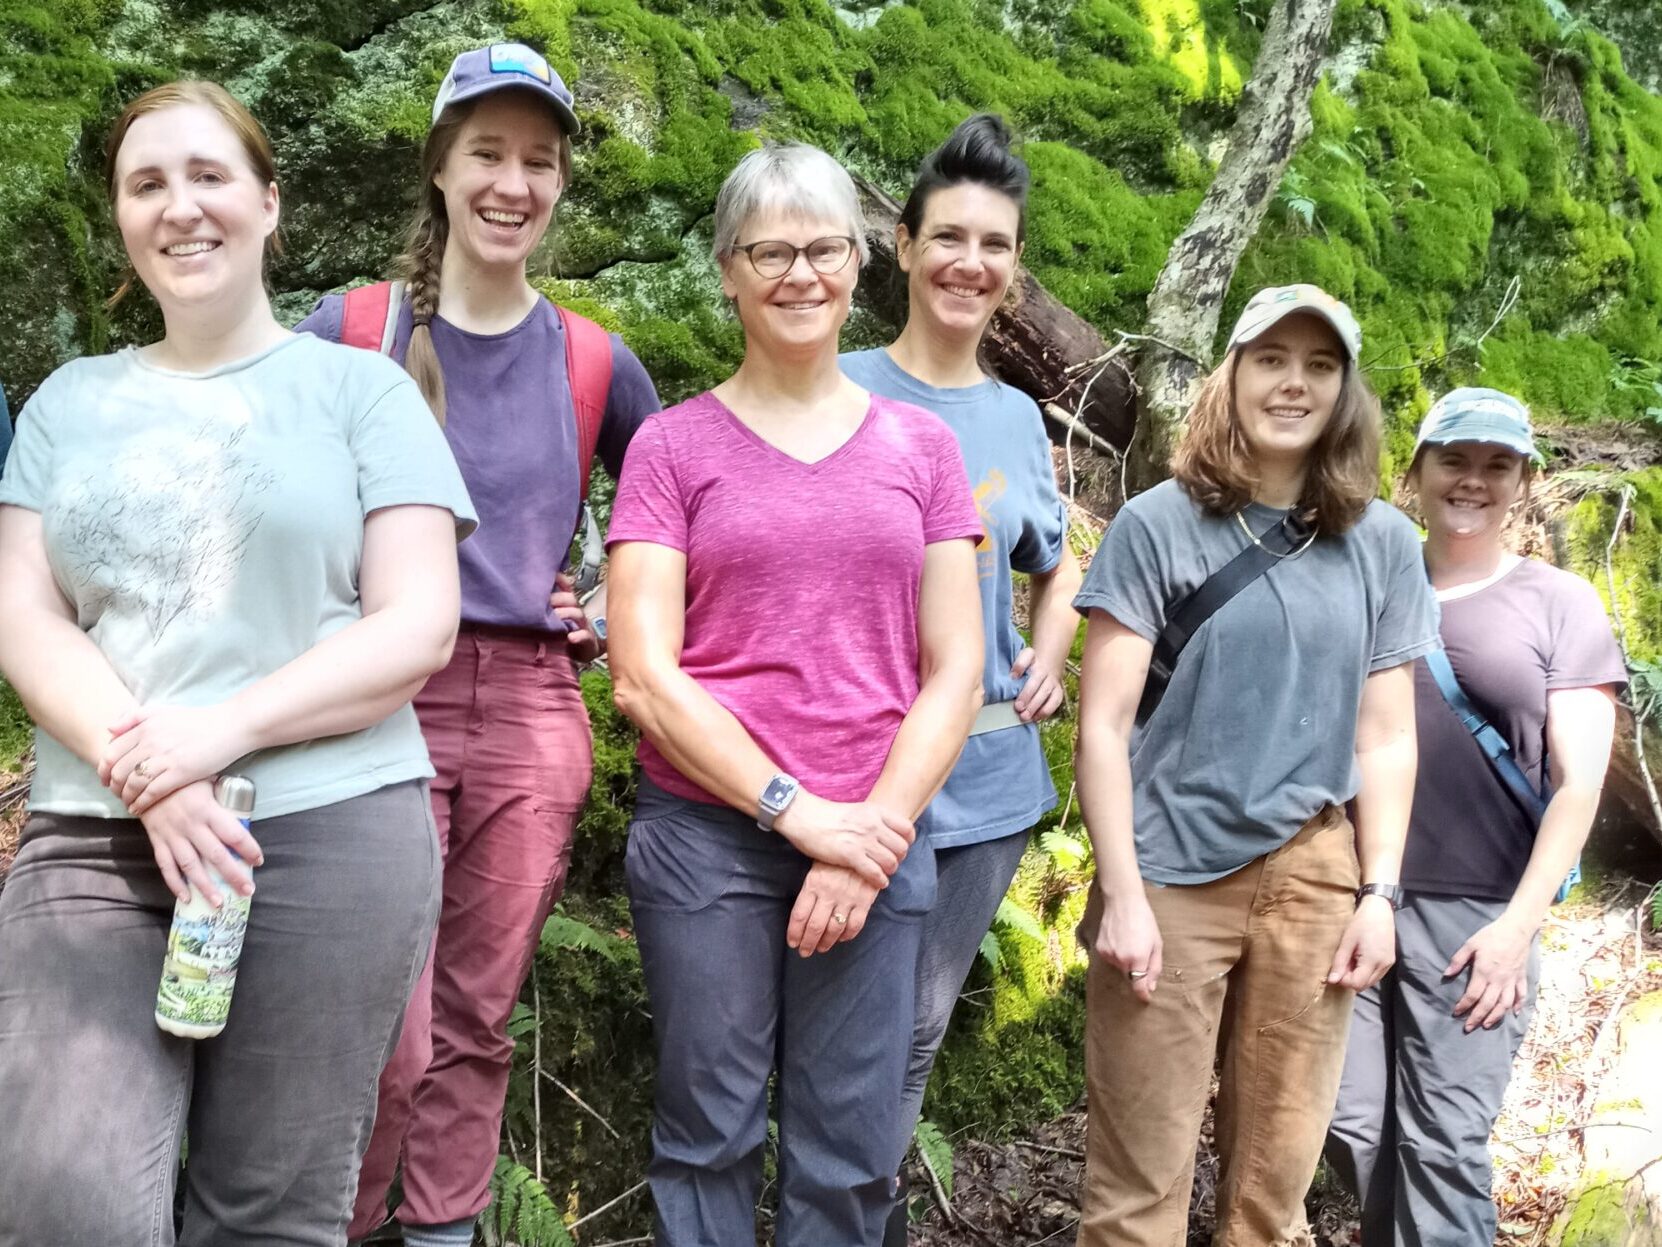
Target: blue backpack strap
[1496, 750]
[1488, 738]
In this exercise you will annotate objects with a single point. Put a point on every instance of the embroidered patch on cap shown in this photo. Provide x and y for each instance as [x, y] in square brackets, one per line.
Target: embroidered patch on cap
[516, 58]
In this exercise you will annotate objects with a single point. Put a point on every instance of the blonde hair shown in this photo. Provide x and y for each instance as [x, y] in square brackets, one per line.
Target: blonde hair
[192, 91]
[1216, 468]
[422, 260]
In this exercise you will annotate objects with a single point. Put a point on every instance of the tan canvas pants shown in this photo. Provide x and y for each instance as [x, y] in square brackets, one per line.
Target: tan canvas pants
[1246, 959]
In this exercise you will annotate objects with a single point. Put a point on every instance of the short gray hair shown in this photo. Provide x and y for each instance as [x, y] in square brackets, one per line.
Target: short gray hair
[792, 178]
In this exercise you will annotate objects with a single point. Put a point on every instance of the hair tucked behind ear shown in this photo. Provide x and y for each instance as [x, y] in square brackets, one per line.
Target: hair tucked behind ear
[977, 151]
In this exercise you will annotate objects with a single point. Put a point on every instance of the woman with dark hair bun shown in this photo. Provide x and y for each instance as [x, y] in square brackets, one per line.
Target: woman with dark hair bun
[958, 242]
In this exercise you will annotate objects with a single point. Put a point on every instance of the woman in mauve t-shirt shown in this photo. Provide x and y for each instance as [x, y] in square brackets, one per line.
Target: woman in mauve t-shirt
[1432, 1045]
[796, 629]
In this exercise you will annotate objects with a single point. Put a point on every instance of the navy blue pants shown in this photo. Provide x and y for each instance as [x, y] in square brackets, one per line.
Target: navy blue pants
[711, 894]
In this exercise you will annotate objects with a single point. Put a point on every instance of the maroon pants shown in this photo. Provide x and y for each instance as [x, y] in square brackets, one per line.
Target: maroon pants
[509, 738]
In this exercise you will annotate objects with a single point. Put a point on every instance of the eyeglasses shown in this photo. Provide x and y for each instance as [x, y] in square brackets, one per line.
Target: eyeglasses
[775, 259]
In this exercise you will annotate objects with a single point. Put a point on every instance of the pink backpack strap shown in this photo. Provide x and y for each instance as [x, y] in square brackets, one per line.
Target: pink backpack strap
[370, 317]
[589, 373]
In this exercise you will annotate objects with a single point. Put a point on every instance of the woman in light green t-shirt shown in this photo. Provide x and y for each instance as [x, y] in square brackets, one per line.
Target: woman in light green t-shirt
[230, 551]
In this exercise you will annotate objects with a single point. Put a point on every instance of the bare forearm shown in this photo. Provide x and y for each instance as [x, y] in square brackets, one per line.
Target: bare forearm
[66, 683]
[1383, 804]
[1050, 609]
[699, 736]
[1558, 843]
[930, 739]
[349, 681]
[1103, 773]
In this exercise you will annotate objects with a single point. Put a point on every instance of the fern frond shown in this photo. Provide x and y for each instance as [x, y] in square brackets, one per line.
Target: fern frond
[521, 1212]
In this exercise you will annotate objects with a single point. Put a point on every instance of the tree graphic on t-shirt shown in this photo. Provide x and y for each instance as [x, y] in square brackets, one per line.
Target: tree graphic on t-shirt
[162, 533]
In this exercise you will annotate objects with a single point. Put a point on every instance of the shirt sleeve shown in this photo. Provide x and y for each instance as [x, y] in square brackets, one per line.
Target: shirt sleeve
[1044, 525]
[950, 513]
[1584, 649]
[1126, 578]
[631, 399]
[650, 504]
[26, 473]
[325, 319]
[1408, 620]
[401, 453]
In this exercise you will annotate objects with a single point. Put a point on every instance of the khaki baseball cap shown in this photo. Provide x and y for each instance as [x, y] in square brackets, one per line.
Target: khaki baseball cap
[1270, 306]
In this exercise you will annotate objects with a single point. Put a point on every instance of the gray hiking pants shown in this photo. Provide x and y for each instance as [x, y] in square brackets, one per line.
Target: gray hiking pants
[1419, 1096]
[971, 880]
[711, 895]
[94, 1098]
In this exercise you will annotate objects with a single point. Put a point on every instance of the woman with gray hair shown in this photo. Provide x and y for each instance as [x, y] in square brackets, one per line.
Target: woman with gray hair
[796, 630]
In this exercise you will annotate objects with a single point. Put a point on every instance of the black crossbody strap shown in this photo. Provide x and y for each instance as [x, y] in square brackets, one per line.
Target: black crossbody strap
[1184, 620]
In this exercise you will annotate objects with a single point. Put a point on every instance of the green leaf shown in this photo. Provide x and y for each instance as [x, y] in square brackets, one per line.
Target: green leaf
[521, 1212]
[991, 951]
[935, 1149]
[1016, 918]
[1063, 847]
[562, 932]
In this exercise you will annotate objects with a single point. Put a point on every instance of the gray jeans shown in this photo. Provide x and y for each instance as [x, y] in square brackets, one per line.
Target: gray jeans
[1419, 1096]
[971, 880]
[710, 894]
[95, 1098]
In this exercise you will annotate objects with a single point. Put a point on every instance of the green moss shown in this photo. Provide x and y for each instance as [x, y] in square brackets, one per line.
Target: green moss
[16, 732]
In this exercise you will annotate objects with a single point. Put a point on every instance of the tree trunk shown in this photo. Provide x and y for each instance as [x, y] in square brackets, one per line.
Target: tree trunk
[1183, 308]
[1035, 344]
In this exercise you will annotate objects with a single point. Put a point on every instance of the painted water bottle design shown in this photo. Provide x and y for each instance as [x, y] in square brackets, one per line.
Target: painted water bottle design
[205, 944]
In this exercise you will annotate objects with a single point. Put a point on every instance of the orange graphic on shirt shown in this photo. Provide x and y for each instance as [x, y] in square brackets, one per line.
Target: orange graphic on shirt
[989, 491]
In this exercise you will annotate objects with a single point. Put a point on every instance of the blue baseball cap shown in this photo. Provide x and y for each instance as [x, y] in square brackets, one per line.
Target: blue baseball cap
[1475, 414]
[499, 67]
[1272, 305]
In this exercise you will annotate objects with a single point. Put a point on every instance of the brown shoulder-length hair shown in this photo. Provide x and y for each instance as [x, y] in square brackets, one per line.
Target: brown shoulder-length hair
[210, 95]
[422, 261]
[1215, 466]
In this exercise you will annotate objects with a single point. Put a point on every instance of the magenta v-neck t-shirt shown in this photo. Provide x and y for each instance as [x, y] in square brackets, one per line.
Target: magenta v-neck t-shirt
[802, 578]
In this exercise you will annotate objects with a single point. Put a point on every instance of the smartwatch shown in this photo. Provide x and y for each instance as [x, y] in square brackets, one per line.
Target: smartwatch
[598, 627]
[1392, 892]
[779, 793]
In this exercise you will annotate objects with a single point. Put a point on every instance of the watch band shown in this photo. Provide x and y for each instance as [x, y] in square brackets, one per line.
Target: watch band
[1392, 892]
[781, 790]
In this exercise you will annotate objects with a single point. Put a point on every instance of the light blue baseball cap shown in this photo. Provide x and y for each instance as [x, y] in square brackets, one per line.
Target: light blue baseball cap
[1476, 414]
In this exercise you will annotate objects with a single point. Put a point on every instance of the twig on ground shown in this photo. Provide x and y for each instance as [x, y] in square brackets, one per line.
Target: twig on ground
[1070, 1152]
[939, 1190]
[583, 1104]
[607, 1207]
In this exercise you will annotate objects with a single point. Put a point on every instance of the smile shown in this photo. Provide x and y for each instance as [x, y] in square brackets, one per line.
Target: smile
[963, 292]
[511, 219]
[801, 307]
[1467, 504]
[1288, 413]
[190, 248]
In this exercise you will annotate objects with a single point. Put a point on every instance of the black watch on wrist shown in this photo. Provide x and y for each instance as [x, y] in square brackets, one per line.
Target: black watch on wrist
[1392, 892]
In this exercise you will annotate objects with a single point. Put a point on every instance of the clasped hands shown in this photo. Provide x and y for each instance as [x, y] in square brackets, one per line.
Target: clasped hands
[161, 763]
[856, 846]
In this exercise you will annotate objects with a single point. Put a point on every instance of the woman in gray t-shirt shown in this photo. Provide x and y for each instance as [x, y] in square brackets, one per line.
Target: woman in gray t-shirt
[1432, 1045]
[232, 550]
[1226, 919]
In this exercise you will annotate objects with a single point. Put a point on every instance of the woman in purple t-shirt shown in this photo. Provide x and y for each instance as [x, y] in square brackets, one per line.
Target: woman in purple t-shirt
[1432, 1045]
[796, 629]
[505, 721]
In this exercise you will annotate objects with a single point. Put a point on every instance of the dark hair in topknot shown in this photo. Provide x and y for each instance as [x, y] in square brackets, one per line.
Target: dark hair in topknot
[977, 151]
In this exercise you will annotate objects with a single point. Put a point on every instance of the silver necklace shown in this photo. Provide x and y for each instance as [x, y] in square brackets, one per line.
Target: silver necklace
[1240, 518]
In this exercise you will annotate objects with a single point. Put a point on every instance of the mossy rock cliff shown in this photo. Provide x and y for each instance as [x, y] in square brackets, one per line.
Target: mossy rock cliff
[1483, 185]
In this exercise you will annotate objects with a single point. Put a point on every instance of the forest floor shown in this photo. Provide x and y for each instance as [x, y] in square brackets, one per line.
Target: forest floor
[1598, 956]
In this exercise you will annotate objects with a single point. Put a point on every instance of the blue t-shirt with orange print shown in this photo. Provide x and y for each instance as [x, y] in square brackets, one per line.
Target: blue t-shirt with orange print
[1001, 784]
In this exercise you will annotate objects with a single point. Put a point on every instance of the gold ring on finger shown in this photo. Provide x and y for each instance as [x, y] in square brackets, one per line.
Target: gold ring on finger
[839, 919]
